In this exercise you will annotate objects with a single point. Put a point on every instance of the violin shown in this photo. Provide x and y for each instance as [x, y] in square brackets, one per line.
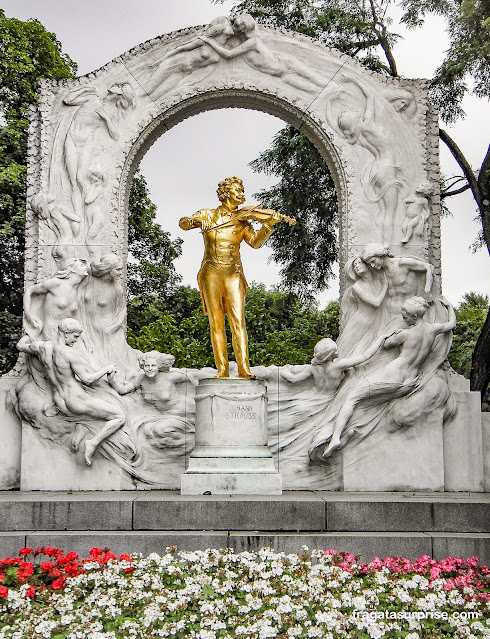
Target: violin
[263, 216]
[257, 215]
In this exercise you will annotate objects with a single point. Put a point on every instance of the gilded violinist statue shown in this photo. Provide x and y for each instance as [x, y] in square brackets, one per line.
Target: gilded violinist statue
[221, 280]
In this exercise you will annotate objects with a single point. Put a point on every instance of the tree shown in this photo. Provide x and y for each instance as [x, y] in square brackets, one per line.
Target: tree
[360, 28]
[470, 315]
[307, 262]
[29, 52]
[281, 327]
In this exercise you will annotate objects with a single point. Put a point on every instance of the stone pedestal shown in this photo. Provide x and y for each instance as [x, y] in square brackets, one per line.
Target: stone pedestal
[231, 456]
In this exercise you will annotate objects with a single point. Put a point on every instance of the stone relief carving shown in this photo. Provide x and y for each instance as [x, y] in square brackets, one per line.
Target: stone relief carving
[167, 72]
[417, 212]
[48, 303]
[385, 179]
[63, 222]
[82, 138]
[380, 383]
[258, 56]
[91, 138]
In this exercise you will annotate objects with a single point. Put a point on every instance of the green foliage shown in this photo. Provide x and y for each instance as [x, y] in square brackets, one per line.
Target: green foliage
[467, 61]
[151, 249]
[470, 317]
[306, 192]
[354, 27]
[28, 52]
[281, 327]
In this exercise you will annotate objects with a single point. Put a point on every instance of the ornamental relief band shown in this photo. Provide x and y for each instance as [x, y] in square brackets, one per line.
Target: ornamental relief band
[106, 407]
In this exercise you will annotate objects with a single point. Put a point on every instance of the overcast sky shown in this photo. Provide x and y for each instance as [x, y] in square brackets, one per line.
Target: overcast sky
[185, 164]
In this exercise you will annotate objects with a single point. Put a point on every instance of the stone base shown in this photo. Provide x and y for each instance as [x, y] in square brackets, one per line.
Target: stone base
[231, 484]
[411, 459]
[48, 467]
[10, 437]
[231, 456]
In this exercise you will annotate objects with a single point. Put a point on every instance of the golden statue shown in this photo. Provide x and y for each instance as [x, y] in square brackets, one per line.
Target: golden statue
[221, 280]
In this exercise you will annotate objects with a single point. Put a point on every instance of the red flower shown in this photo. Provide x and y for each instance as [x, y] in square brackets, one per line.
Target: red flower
[51, 551]
[31, 592]
[95, 552]
[108, 556]
[25, 551]
[59, 584]
[3, 591]
[125, 557]
[129, 570]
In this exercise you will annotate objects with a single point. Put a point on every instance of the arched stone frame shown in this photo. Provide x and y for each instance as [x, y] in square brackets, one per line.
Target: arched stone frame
[412, 132]
[235, 84]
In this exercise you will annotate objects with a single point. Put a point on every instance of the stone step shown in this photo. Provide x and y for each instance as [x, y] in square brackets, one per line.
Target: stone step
[409, 524]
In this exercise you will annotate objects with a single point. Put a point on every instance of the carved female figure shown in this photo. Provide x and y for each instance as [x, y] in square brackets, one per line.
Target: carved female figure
[157, 383]
[398, 377]
[59, 297]
[184, 60]
[63, 222]
[385, 179]
[105, 313]
[93, 115]
[362, 305]
[259, 57]
[326, 369]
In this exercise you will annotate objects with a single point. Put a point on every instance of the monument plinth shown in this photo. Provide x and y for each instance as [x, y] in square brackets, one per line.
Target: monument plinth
[231, 456]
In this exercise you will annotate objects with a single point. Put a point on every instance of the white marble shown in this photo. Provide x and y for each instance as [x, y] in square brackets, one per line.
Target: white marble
[231, 455]
[116, 417]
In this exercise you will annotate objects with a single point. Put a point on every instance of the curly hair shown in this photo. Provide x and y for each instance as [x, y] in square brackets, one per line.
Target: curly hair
[224, 187]
[415, 306]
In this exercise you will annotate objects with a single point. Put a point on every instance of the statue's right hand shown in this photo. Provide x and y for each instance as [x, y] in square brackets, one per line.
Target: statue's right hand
[205, 225]
[111, 369]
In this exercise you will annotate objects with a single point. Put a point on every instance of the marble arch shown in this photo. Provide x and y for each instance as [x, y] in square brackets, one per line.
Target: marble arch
[379, 138]
[377, 134]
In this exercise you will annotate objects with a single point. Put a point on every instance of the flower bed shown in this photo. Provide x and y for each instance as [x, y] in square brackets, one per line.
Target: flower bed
[213, 593]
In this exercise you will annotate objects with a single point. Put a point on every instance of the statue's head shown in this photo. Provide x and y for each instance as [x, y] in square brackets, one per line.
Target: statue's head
[73, 265]
[244, 22]
[230, 187]
[325, 350]
[110, 262]
[414, 308]
[350, 125]
[426, 189]
[70, 330]
[123, 95]
[355, 268]
[154, 361]
[374, 254]
[220, 26]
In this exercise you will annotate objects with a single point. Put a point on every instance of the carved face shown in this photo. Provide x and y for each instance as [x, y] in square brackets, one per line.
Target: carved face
[409, 318]
[80, 267]
[359, 266]
[376, 262]
[116, 272]
[150, 367]
[71, 338]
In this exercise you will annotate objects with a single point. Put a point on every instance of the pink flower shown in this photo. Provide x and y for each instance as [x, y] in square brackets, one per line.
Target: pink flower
[330, 551]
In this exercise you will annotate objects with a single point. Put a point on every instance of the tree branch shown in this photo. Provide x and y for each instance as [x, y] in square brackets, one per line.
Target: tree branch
[463, 163]
[456, 192]
[383, 40]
